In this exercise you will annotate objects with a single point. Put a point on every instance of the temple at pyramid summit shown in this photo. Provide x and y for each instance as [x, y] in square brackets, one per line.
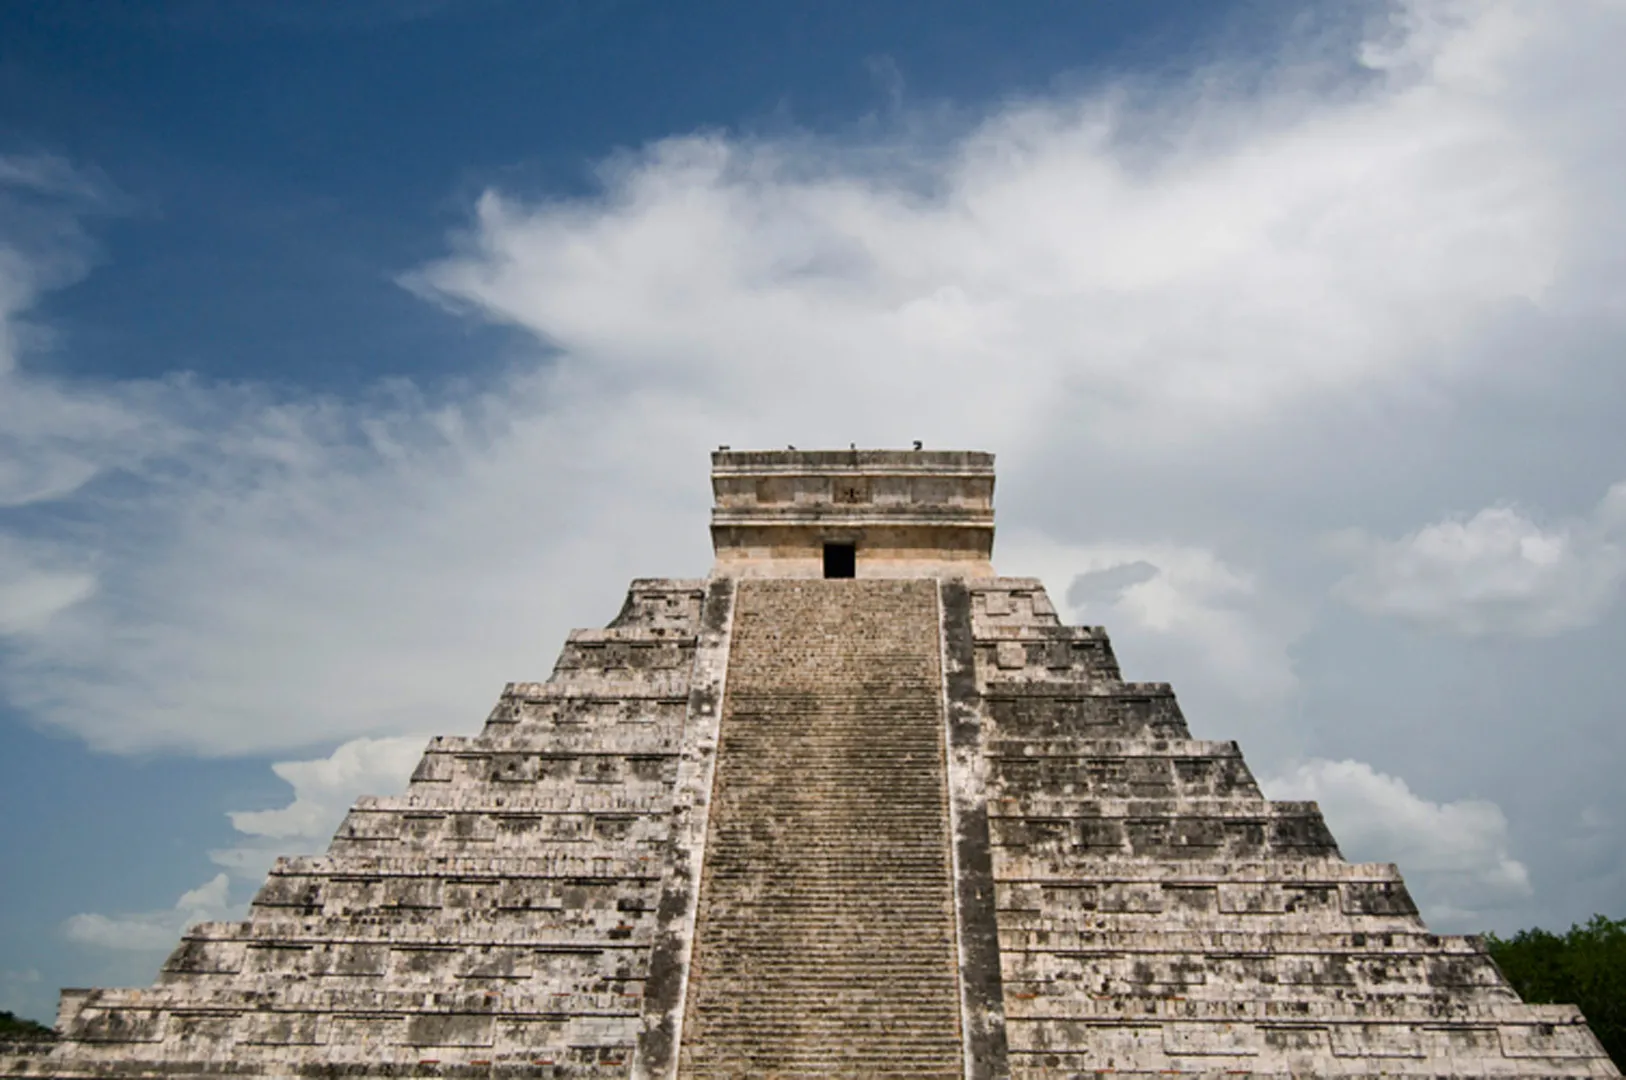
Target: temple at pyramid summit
[853, 805]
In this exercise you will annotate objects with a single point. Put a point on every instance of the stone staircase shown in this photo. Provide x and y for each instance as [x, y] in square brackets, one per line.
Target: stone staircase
[825, 943]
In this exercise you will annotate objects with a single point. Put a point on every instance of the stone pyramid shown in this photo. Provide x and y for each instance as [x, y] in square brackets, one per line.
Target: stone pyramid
[851, 806]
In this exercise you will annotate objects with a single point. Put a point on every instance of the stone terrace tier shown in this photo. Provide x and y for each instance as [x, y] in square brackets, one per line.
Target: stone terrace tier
[1157, 916]
[497, 919]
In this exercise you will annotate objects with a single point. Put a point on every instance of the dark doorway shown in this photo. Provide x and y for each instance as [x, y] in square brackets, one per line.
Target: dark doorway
[840, 560]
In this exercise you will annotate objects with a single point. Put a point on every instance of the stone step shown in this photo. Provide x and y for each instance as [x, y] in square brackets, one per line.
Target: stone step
[436, 867]
[1078, 870]
[826, 943]
[1233, 942]
[1252, 1007]
[1066, 748]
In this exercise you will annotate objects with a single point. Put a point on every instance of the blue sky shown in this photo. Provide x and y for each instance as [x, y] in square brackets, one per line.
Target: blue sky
[291, 158]
[352, 353]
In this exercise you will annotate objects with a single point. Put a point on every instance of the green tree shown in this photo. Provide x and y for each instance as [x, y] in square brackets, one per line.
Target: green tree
[15, 1027]
[1585, 967]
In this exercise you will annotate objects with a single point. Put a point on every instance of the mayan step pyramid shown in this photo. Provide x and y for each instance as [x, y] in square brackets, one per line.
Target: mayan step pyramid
[851, 806]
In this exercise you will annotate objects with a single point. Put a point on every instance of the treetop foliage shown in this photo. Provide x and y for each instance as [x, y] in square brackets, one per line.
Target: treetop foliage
[15, 1027]
[1584, 967]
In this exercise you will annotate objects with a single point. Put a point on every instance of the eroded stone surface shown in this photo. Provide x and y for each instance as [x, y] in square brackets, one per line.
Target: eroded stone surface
[825, 944]
[763, 825]
[1158, 916]
[496, 919]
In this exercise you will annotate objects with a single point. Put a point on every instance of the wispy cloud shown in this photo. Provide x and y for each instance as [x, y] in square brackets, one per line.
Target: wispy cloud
[34, 588]
[1171, 309]
[56, 435]
[151, 931]
[52, 176]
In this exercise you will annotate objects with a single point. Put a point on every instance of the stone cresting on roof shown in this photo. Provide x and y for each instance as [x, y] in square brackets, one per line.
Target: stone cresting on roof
[657, 861]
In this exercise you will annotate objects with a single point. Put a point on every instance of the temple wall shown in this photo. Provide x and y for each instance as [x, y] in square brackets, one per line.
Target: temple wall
[882, 552]
[909, 514]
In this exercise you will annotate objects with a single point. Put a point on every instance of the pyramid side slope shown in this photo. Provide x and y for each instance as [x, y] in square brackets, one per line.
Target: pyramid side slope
[498, 914]
[1159, 916]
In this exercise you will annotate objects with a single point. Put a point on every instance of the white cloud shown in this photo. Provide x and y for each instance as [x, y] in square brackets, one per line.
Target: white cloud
[1093, 284]
[49, 175]
[152, 931]
[326, 786]
[1191, 295]
[55, 434]
[1496, 573]
[1198, 614]
[324, 790]
[1455, 855]
[33, 589]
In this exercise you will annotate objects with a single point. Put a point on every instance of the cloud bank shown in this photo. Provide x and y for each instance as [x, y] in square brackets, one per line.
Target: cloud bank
[1496, 573]
[1203, 322]
[1136, 273]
